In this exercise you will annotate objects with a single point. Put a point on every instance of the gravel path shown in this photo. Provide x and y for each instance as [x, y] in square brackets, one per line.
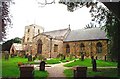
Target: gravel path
[57, 70]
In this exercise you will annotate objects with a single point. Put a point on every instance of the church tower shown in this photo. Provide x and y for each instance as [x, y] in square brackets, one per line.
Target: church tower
[30, 32]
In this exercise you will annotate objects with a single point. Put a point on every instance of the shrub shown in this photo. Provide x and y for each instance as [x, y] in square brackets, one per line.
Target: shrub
[62, 56]
[20, 63]
[41, 57]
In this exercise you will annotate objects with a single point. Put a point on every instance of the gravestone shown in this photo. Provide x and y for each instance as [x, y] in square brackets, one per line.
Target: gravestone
[62, 57]
[30, 57]
[80, 72]
[92, 57]
[42, 66]
[12, 55]
[105, 58]
[96, 58]
[6, 55]
[94, 65]
[82, 57]
[26, 55]
[34, 58]
[26, 72]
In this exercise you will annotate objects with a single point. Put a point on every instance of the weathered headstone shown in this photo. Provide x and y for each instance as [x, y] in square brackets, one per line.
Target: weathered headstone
[96, 57]
[92, 57]
[94, 65]
[26, 55]
[105, 58]
[42, 66]
[82, 57]
[26, 71]
[30, 57]
[12, 55]
[62, 57]
[80, 72]
[33, 58]
[6, 55]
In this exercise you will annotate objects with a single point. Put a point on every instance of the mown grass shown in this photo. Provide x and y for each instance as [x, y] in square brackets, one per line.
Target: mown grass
[10, 68]
[101, 73]
[88, 63]
[58, 60]
[53, 61]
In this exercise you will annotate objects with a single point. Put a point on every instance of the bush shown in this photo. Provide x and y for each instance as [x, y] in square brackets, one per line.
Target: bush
[20, 63]
[40, 57]
[62, 56]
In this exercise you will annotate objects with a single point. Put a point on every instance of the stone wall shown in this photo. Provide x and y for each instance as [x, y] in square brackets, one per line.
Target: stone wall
[33, 31]
[76, 50]
[60, 47]
[47, 46]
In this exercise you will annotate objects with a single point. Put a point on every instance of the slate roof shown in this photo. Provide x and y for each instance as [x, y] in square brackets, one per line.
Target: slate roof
[86, 34]
[17, 46]
[58, 34]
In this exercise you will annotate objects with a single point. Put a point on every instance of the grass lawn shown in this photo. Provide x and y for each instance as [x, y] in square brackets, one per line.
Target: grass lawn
[67, 59]
[101, 72]
[10, 68]
[87, 63]
[53, 61]
[58, 60]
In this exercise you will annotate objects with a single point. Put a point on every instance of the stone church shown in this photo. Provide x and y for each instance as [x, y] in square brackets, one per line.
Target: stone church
[90, 42]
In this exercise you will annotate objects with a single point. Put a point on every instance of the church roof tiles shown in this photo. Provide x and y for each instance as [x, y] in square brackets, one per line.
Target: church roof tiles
[57, 34]
[86, 34]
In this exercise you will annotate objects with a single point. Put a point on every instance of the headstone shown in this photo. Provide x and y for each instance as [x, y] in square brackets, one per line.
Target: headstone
[94, 65]
[62, 57]
[26, 71]
[12, 55]
[26, 55]
[82, 57]
[105, 58]
[96, 57]
[80, 72]
[30, 57]
[34, 58]
[42, 66]
[6, 55]
[92, 57]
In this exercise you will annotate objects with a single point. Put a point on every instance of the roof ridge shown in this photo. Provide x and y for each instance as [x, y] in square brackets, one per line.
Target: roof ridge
[56, 30]
[86, 29]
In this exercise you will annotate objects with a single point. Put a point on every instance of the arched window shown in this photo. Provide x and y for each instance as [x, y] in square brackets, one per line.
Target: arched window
[67, 48]
[38, 31]
[28, 30]
[99, 47]
[39, 46]
[82, 47]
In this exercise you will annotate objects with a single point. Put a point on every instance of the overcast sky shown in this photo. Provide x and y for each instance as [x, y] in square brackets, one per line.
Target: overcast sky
[51, 17]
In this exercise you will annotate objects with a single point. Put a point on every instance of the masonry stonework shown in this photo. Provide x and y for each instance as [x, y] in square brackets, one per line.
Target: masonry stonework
[64, 41]
[90, 46]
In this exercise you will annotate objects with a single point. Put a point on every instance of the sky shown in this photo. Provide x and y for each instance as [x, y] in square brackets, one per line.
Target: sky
[50, 17]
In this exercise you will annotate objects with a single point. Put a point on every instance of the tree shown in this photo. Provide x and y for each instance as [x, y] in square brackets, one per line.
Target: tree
[101, 15]
[5, 19]
[91, 25]
[7, 45]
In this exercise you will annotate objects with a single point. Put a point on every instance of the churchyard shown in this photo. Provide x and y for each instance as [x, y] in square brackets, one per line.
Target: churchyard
[11, 66]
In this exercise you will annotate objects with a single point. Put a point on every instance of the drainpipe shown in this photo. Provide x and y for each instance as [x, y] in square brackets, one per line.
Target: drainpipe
[50, 46]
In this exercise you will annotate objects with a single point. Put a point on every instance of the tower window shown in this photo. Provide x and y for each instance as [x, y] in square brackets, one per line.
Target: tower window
[38, 31]
[27, 39]
[28, 30]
